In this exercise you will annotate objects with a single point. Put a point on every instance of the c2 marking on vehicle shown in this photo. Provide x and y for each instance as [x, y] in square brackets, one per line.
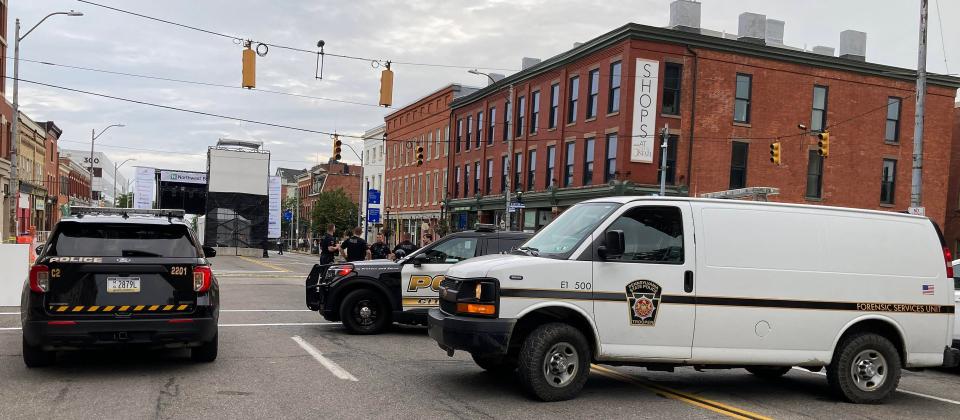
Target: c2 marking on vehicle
[76, 259]
[423, 282]
[55, 273]
[178, 271]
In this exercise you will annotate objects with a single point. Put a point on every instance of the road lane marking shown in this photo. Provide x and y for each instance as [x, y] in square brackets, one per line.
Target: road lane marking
[694, 400]
[275, 324]
[9, 313]
[916, 394]
[265, 264]
[334, 368]
[10, 329]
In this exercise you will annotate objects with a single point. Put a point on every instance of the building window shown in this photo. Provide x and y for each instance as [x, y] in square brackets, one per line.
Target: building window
[459, 135]
[568, 168]
[738, 165]
[456, 183]
[593, 87]
[814, 174]
[610, 165]
[531, 169]
[534, 111]
[476, 177]
[507, 115]
[672, 78]
[554, 105]
[671, 170]
[572, 102]
[818, 117]
[493, 125]
[429, 142]
[518, 164]
[551, 163]
[479, 128]
[893, 120]
[466, 180]
[613, 97]
[588, 150]
[741, 104]
[503, 176]
[469, 136]
[489, 185]
[521, 111]
[887, 182]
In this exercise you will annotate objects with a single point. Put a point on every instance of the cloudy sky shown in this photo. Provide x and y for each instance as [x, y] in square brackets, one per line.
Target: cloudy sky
[482, 33]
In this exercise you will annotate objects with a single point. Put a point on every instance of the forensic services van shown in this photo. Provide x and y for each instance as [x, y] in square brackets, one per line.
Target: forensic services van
[668, 282]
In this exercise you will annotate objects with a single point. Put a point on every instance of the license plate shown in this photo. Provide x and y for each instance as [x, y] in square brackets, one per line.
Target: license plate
[123, 284]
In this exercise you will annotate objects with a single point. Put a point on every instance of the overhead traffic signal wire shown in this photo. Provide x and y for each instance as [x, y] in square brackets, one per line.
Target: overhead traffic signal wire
[285, 47]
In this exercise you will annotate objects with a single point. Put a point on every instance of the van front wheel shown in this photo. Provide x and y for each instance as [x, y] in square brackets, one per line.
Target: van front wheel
[554, 362]
[865, 369]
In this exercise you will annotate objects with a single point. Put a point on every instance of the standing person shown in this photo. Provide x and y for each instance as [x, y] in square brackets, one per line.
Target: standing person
[379, 250]
[328, 245]
[356, 247]
[405, 245]
[427, 239]
[279, 246]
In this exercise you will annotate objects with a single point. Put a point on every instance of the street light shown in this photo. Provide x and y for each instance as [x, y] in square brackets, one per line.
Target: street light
[93, 137]
[509, 169]
[14, 187]
[115, 169]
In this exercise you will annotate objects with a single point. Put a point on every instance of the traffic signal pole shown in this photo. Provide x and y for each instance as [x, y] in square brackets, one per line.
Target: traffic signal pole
[916, 186]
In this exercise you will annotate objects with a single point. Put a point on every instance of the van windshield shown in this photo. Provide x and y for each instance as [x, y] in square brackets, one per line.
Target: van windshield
[562, 236]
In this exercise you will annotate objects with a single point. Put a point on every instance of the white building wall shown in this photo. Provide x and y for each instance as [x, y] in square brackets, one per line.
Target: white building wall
[104, 183]
[374, 157]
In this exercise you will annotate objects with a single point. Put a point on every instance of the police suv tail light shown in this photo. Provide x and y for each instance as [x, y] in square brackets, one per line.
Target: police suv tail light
[335, 271]
[949, 259]
[40, 278]
[202, 276]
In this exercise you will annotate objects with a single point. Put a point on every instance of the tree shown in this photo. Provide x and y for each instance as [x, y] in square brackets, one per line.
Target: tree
[125, 200]
[333, 207]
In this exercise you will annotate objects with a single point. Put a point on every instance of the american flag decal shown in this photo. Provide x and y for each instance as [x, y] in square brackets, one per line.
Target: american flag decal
[928, 289]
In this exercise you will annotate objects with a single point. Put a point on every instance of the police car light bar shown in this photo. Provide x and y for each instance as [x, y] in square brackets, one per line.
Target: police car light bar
[84, 211]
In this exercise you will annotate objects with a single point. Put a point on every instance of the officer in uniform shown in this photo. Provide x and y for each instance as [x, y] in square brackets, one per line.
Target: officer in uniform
[379, 250]
[405, 245]
[356, 248]
[328, 245]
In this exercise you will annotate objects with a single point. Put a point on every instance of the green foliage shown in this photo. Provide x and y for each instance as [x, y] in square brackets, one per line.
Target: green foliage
[125, 200]
[333, 207]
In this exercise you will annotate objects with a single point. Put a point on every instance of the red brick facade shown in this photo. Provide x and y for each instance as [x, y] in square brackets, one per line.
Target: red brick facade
[952, 224]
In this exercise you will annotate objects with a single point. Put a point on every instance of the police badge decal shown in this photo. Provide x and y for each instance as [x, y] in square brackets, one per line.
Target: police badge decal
[643, 301]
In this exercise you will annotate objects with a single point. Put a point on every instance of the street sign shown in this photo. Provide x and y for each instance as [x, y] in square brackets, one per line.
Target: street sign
[917, 211]
[288, 215]
[516, 205]
[373, 196]
[373, 215]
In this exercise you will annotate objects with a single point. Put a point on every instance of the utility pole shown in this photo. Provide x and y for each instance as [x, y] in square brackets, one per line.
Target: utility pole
[916, 185]
[14, 189]
[664, 135]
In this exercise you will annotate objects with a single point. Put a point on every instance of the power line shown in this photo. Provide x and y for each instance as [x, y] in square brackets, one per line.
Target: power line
[943, 46]
[285, 47]
[173, 152]
[193, 82]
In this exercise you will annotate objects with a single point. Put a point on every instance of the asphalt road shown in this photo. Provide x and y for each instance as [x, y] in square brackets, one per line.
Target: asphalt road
[278, 360]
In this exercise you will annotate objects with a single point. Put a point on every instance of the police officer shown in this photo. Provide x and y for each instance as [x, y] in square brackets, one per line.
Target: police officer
[356, 248]
[328, 245]
[379, 250]
[405, 245]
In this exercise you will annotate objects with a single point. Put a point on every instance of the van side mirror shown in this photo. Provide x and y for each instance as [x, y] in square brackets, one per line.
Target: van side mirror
[420, 259]
[613, 245]
[209, 251]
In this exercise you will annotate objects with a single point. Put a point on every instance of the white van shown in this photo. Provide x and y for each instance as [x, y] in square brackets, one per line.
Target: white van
[665, 282]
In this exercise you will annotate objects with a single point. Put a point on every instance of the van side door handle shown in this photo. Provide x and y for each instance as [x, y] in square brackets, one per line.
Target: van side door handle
[688, 281]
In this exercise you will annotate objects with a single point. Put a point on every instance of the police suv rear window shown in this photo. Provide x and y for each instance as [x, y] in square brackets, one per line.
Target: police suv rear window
[122, 240]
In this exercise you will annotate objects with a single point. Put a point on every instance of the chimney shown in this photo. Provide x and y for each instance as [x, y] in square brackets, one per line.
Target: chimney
[752, 28]
[820, 49]
[853, 45]
[529, 62]
[496, 78]
[774, 34]
[685, 15]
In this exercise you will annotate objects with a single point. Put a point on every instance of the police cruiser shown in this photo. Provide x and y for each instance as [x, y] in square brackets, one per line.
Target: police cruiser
[110, 277]
[667, 282]
[368, 295]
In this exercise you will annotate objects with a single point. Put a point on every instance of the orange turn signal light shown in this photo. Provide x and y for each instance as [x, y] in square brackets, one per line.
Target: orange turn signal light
[475, 308]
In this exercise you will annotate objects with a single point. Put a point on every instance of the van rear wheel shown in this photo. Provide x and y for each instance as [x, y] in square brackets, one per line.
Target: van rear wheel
[768, 372]
[554, 362]
[865, 369]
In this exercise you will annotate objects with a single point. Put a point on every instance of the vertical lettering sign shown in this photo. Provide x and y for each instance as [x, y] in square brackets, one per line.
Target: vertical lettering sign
[273, 217]
[143, 190]
[644, 110]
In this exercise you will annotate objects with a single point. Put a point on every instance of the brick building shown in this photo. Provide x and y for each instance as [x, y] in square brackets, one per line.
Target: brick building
[74, 189]
[325, 177]
[52, 176]
[585, 122]
[951, 227]
[415, 194]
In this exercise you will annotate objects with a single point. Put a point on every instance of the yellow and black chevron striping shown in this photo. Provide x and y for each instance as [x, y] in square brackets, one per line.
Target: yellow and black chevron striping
[119, 308]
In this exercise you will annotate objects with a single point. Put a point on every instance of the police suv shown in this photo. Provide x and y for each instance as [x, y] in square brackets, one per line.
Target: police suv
[110, 277]
[667, 282]
[368, 295]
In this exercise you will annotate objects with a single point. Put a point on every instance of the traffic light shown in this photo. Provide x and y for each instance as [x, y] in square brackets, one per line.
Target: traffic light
[336, 148]
[775, 153]
[823, 144]
[386, 86]
[249, 68]
[419, 155]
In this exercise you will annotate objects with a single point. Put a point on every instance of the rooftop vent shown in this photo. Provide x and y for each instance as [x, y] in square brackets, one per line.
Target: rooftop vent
[853, 45]
[752, 27]
[820, 49]
[494, 77]
[685, 15]
[774, 33]
[529, 62]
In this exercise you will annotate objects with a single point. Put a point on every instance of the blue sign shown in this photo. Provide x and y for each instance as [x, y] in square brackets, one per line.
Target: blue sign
[373, 215]
[288, 215]
[373, 196]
